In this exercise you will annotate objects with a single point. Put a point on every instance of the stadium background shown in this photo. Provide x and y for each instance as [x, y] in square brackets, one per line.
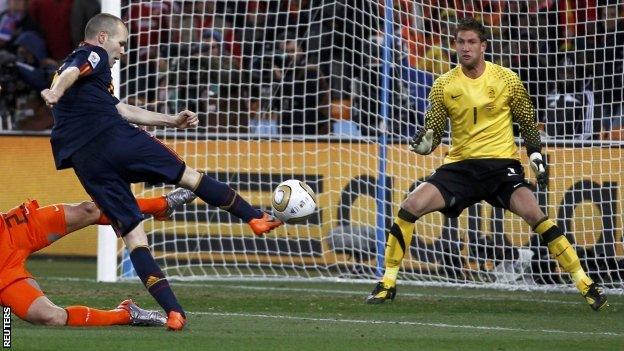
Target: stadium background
[545, 41]
[219, 58]
[571, 199]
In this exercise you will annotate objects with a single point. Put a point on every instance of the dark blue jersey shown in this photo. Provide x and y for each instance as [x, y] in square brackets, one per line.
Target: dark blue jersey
[87, 108]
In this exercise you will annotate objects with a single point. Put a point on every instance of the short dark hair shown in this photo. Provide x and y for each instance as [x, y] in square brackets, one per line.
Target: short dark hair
[470, 23]
[102, 22]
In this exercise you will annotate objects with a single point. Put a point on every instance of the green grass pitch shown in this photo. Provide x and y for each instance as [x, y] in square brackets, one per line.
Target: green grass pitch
[252, 315]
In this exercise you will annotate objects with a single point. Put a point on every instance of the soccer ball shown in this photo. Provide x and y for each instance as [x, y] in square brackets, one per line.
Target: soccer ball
[293, 201]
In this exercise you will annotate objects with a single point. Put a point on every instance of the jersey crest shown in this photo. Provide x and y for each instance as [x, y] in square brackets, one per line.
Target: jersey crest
[491, 93]
[93, 59]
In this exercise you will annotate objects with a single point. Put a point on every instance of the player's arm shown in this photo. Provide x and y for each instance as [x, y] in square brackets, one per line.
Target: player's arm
[60, 84]
[523, 113]
[78, 65]
[141, 116]
[429, 137]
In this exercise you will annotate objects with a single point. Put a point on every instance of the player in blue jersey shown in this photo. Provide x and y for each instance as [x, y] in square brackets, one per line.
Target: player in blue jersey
[93, 134]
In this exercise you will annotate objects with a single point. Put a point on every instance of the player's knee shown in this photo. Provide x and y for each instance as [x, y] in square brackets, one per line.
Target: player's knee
[89, 210]
[414, 205]
[190, 178]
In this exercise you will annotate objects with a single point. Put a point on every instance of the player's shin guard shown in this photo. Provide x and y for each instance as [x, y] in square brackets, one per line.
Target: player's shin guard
[561, 249]
[83, 316]
[154, 280]
[397, 243]
[219, 194]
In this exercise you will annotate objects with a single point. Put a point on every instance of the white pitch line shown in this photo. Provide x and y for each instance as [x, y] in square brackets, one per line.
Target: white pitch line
[359, 292]
[353, 292]
[407, 323]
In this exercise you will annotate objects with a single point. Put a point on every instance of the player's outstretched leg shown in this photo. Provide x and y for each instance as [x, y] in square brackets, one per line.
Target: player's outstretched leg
[175, 198]
[127, 313]
[161, 207]
[561, 249]
[219, 194]
[141, 317]
[397, 243]
[83, 316]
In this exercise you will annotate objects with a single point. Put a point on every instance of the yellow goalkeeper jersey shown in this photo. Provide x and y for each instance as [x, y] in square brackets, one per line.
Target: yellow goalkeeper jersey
[481, 112]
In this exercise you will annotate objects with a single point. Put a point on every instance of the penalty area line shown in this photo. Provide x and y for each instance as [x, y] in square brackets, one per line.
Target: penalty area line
[483, 297]
[405, 323]
[406, 294]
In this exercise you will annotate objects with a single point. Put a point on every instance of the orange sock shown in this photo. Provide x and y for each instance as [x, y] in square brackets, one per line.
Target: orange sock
[147, 206]
[82, 316]
[152, 205]
[103, 220]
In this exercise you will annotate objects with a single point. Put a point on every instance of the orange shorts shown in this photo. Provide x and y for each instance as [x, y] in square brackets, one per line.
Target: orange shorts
[24, 230]
[19, 295]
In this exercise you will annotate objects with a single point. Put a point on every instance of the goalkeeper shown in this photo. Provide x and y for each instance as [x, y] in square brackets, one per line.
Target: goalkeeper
[29, 228]
[481, 99]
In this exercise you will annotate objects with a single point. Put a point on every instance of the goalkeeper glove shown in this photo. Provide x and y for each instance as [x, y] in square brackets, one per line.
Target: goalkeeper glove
[539, 168]
[422, 141]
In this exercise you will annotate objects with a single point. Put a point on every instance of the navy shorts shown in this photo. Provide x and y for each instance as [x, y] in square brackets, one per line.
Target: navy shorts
[117, 157]
[467, 182]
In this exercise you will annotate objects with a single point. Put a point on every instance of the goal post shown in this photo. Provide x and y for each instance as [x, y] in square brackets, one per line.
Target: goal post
[107, 239]
[385, 99]
[330, 91]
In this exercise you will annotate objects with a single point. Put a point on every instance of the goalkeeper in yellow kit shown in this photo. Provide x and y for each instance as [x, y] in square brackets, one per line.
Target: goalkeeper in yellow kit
[481, 99]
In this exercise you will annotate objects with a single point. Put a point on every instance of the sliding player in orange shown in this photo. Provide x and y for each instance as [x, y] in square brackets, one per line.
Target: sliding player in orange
[29, 228]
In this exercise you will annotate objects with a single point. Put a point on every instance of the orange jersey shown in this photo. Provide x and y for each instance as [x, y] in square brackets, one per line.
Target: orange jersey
[24, 230]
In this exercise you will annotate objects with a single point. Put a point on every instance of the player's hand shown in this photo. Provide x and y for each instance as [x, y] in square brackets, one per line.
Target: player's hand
[539, 168]
[50, 97]
[422, 141]
[186, 119]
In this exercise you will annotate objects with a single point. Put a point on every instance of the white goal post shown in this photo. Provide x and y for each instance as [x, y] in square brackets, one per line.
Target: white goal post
[106, 238]
[329, 92]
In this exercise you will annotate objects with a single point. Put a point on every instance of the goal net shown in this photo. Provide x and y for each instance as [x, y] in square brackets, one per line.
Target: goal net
[329, 92]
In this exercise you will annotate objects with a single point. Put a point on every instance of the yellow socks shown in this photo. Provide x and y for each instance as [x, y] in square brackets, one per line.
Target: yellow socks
[397, 243]
[565, 254]
[561, 250]
[390, 276]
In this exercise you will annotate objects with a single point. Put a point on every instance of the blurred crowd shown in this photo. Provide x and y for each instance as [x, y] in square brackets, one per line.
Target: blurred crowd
[302, 67]
[35, 36]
